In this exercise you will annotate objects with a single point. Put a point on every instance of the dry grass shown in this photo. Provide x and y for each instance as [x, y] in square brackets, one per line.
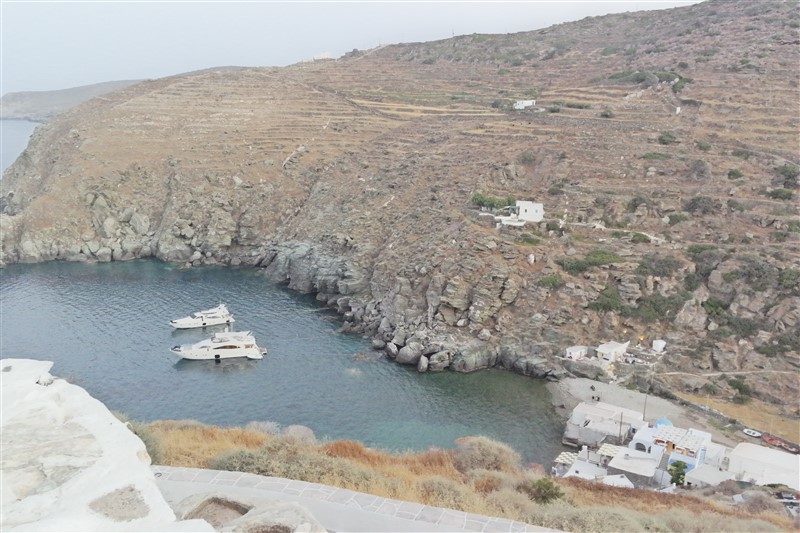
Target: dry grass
[756, 414]
[584, 493]
[479, 476]
[191, 444]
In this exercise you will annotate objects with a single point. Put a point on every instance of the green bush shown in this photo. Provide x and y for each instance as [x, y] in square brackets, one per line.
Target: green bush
[606, 113]
[657, 307]
[638, 238]
[780, 194]
[758, 274]
[543, 490]
[703, 205]
[554, 109]
[789, 278]
[666, 138]
[734, 174]
[551, 281]
[703, 145]
[608, 300]
[526, 158]
[594, 258]
[677, 218]
[789, 171]
[482, 200]
[656, 265]
[655, 156]
[635, 202]
[527, 238]
[733, 205]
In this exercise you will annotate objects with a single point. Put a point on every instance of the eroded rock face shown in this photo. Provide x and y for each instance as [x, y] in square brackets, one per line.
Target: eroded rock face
[368, 205]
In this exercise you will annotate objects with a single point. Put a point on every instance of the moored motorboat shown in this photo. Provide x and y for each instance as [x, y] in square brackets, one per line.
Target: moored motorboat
[769, 439]
[222, 345]
[207, 317]
[751, 432]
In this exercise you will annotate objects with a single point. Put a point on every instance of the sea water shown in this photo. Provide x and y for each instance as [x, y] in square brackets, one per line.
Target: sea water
[14, 136]
[106, 327]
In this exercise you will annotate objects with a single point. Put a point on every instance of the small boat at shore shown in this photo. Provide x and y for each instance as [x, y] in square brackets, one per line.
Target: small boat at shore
[222, 345]
[751, 432]
[769, 439]
[207, 317]
[789, 447]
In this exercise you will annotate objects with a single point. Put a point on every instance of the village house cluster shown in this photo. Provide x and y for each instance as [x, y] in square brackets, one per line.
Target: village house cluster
[619, 447]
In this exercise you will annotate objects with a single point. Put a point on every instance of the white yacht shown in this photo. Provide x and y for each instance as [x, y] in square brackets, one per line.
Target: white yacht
[207, 317]
[222, 345]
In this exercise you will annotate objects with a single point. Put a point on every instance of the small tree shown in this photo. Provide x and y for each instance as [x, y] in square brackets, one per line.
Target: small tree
[678, 472]
[543, 490]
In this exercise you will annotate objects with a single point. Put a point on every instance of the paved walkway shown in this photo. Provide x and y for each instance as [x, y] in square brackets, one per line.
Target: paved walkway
[339, 510]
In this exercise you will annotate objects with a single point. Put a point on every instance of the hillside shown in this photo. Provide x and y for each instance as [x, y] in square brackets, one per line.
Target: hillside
[663, 144]
[39, 106]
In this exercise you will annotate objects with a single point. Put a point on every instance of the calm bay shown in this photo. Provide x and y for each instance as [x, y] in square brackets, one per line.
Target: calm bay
[106, 328]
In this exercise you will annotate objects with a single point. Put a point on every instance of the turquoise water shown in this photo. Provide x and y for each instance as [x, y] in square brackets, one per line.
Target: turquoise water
[106, 328]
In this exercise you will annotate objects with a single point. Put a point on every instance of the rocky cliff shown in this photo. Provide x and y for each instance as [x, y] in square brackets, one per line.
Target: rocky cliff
[663, 145]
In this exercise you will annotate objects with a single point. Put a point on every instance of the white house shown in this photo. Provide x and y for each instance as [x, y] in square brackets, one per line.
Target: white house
[523, 211]
[519, 105]
[595, 423]
[529, 211]
[763, 466]
[612, 351]
[659, 345]
[577, 352]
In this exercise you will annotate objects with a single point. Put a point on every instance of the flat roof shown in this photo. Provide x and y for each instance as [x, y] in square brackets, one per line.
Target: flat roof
[708, 474]
[635, 462]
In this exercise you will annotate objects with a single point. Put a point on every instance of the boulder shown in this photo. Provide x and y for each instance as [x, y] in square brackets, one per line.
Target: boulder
[474, 356]
[439, 361]
[410, 353]
[422, 365]
[140, 223]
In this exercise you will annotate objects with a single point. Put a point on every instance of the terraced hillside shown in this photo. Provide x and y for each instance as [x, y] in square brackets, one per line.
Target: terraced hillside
[664, 146]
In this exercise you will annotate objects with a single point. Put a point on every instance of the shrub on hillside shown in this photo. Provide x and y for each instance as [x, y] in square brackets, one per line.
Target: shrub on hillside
[594, 258]
[780, 194]
[511, 503]
[667, 138]
[657, 265]
[703, 205]
[482, 453]
[542, 490]
[551, 281]
[443, 492]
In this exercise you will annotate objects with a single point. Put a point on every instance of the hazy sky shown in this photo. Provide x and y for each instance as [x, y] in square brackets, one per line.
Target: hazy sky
[56, 45]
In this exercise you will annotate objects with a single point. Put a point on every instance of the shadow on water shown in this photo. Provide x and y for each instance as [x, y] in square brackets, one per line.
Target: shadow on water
[238, 364]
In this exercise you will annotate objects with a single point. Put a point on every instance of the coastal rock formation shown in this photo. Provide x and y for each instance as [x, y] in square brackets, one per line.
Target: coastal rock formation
[370, 182]
[69, 464]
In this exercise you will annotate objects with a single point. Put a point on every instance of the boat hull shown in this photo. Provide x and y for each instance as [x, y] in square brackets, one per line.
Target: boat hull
[191, 323]
[210, 354]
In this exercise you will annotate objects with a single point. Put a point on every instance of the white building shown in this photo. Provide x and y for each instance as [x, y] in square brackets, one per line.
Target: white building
[577, 352]
[612, 351]
[523, 211]
[659, 345]
[519, 105]
[761, 465]
[596, 423]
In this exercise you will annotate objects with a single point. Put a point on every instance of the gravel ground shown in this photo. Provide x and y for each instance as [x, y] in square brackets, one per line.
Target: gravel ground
[568, 393]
